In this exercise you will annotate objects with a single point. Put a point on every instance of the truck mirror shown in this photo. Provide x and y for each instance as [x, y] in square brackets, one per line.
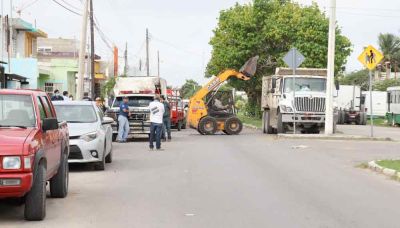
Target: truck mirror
[49, 124]
[337, 85]
[250, 67]
[273, 83]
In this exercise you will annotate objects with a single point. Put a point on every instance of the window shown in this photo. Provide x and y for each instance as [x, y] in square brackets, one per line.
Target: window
[305, 84]
[41, 109]
[76, 113]
[17, 110]
[49, 87]
[47, 106]
[138, 101]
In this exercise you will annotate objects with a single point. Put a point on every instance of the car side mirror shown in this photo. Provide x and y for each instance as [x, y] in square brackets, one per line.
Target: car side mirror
[273, 83]
[107, 120]
[50, 124]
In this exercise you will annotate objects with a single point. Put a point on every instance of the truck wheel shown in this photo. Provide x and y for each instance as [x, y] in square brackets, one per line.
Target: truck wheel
[35, 204]
[59, 183]
[208, 125]
[233, 126]
[267, 129]
[280, 128]
[109, 157]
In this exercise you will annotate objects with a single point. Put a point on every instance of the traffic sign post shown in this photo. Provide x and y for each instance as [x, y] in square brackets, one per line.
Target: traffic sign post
[370, 57]
[294, 59]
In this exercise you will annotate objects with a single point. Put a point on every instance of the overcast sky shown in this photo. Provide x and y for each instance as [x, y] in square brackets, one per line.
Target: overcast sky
[181, 29]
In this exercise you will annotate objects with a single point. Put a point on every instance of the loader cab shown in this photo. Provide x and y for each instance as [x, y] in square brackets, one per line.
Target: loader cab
[221, 104]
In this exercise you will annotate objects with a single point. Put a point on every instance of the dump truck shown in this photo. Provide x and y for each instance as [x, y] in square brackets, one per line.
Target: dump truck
[300, 108]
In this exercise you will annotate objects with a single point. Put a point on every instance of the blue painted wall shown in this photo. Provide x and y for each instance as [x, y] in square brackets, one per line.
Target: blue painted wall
[26, 67]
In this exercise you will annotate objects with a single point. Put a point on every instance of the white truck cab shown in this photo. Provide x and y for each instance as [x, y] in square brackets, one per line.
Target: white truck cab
[294, 100]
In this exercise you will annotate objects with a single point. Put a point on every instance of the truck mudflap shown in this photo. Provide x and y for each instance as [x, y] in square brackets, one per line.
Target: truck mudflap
[303, 118]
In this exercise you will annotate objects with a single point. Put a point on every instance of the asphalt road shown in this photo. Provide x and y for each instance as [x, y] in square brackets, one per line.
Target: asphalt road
[250, 180]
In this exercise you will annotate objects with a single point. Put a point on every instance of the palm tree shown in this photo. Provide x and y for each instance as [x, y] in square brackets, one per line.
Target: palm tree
[390, 46]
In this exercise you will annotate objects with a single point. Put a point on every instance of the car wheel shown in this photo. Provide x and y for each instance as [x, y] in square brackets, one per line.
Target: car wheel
[109, 157]
[59, 183]
[101, 165]
[35, 204]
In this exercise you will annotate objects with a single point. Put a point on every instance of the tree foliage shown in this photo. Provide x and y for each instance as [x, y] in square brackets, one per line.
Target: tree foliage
[269, 28]
[189, 88]
[383, 85]
[390, 46]
[359, 78]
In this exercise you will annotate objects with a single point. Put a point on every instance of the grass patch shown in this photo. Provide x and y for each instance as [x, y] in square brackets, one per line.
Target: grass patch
[378, 122]
[250, 120]
[390, 164]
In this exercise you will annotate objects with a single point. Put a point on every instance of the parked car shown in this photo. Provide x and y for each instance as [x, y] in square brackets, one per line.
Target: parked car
[90, 132]
[34, 149]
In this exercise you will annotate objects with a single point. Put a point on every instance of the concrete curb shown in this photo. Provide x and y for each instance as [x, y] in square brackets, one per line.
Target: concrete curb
[334, 137]
[372, 165]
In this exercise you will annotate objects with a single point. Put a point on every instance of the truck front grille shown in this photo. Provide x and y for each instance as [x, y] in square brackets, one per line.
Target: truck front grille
[307, 104]
[139, 116]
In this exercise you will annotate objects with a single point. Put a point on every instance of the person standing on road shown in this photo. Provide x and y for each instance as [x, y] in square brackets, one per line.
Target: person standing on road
[166, 119]
[156, 122]
[65, 96]
[100, 104]
[123, 122]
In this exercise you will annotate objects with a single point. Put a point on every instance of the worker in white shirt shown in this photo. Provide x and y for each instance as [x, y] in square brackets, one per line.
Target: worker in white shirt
[65, 96]
[156, 122]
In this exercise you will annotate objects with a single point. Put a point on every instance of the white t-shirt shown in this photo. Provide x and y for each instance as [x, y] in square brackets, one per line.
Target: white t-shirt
[156, 112]
[65, 98]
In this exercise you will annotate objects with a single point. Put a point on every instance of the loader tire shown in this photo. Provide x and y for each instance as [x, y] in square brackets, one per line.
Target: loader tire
[208, 125]
[233, 126]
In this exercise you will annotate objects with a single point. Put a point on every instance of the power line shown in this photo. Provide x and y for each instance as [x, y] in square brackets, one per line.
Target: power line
[67, 8]
[370, 15]
[70, 5]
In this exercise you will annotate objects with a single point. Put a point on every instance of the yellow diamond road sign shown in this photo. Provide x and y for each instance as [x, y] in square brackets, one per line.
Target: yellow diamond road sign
[370, 57]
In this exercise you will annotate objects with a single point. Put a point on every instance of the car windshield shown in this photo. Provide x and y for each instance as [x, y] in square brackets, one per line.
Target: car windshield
[134, 101]
[305, 84]
[16, 111]
[76, 113]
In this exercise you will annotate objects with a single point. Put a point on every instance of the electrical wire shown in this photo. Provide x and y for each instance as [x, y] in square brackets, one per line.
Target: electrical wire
[67, 8]
[70, 5]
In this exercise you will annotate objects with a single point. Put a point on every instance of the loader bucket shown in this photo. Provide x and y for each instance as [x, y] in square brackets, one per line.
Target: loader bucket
[250, 67]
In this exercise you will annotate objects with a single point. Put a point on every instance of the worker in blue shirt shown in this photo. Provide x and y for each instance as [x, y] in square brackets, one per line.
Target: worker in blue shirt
[123, 122]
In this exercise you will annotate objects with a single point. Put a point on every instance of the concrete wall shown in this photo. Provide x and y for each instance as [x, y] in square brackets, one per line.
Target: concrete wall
[61, 71]
[26, 67]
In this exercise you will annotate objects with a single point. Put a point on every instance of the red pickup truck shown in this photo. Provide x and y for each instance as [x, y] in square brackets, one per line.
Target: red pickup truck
[34, 149]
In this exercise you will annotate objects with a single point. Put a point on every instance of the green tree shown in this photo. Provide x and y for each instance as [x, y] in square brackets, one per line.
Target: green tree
[383, 85]
[390, 46]
[108, 87]
[189, 88]
[269, 28]
[359, 78]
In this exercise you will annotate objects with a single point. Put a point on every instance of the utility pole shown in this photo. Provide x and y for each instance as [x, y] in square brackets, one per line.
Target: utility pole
[81, 71]
[147, 53]
[126, 59]
[158, 63]
[331, 70]
[11, 44]
[92, 55]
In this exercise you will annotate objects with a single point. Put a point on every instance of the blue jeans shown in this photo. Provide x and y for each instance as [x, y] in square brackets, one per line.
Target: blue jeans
[166, 131]
[155, 133]
[123, 128]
